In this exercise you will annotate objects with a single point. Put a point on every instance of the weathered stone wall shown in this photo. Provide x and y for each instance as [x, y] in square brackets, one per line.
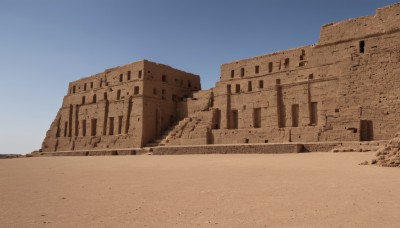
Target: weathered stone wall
[344, 88]
[116, 108]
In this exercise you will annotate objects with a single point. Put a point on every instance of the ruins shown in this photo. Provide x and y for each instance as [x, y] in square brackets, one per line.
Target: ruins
[344, 88]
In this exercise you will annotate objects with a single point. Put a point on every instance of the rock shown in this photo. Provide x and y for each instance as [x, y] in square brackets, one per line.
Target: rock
[364, 163]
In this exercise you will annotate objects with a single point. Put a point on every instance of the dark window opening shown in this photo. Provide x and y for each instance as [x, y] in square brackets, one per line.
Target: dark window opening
[250, 87]
[120, 124]
[83, 100]
[136, 90]
[362, 46]
[120, 77]
[163, 94]
[303, 53]
[311, 76]
[257, 118]
[366, 130]
[278, 81]
[257, 69]
[93, 127]
[164, 78]
[94, 98]
[73, 89]
[111, 129]
[118, 94]
[91, 85]
[84, 87]
[154, 91]
[270, 67]
[217, 123]
[337, 110]
[228, 89]
[287, 63]
[314, 113]
[295, 115]
[242, 72]
[140, 74]
[232, 73]
[105, 96]
[189, 84]
[261, 84]
[129, 75]
[237, 88]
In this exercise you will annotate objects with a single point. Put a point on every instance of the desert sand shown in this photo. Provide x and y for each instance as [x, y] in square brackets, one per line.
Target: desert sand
[287, 190]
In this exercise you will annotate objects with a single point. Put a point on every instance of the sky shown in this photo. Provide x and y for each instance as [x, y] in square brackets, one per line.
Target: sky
[45, 44]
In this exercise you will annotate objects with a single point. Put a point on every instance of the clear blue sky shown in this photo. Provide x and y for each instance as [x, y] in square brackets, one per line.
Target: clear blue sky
[44, 44]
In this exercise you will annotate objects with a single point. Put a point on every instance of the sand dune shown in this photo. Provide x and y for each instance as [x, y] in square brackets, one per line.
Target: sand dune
[289, 190]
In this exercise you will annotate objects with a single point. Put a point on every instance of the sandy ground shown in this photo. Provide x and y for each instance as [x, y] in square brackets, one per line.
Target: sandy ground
[289, 190]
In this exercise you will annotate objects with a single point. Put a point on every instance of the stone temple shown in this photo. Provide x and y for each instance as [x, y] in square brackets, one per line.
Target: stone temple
[345, 88]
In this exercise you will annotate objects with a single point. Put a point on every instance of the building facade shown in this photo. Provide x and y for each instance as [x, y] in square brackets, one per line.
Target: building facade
[344, 88]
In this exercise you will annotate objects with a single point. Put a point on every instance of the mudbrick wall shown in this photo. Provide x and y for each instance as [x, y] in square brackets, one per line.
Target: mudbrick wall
[344, 88]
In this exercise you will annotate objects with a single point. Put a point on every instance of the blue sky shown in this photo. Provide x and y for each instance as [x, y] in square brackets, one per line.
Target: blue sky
[44, 44]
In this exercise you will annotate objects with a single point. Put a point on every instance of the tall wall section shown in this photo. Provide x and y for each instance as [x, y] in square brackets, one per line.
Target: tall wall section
[115, 109]
[344, 88]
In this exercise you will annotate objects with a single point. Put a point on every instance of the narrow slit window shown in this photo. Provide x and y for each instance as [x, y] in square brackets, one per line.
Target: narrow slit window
[120, 77]
[257, 69]
[140, 74]
[84, 87]
[242, 72]
[91, 85]
[118, 94]
[362, 46]
[111, 128]
[129, 75]
[314, 113]
[249, 86]
[287, 63]
[261, 84]
[120, 124]
[237, 88]
[94, 98]
[257, 118]
[83, 100]
[270, 67]
[232, 73]
[93, 127]
[164, 78]
[136, 90]
[228, 89]
[163, 94]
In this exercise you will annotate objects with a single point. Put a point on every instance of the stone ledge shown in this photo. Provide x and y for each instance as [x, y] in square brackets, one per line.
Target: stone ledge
[270, 148]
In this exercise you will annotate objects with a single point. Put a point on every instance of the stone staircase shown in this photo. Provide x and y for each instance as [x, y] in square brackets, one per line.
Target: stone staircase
[173, 131]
